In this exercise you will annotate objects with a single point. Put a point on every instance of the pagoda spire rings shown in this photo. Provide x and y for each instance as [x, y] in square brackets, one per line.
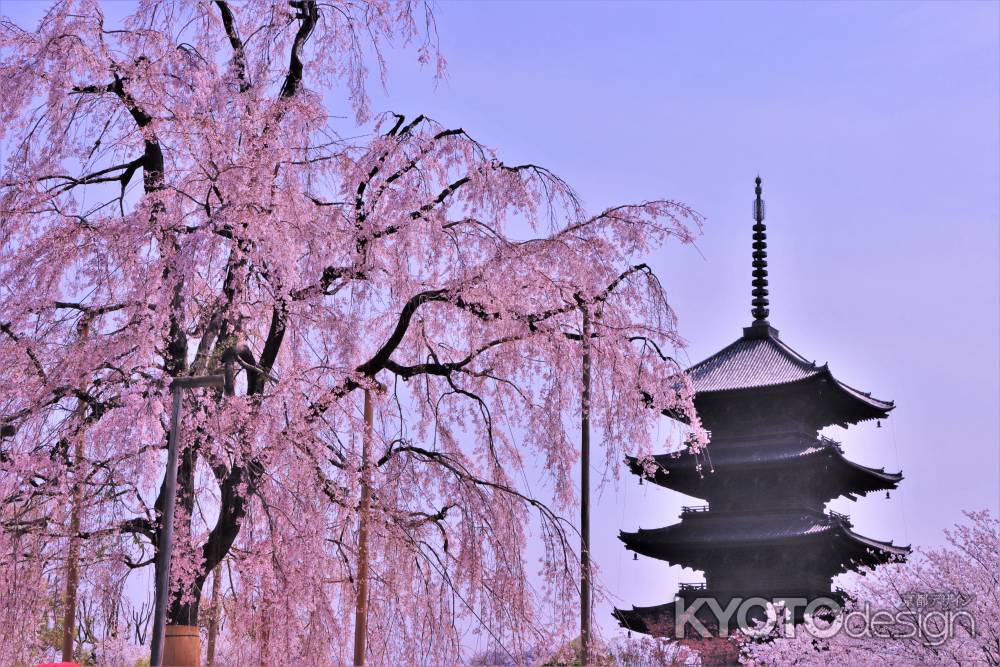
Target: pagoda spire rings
[760, 302]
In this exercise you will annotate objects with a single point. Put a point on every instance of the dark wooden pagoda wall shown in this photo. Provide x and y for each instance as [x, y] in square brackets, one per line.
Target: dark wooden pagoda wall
[776, 421]
[760, 570]
[771, 421]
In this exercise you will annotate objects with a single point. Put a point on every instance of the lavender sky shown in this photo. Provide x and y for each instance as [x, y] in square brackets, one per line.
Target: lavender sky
[876, 130]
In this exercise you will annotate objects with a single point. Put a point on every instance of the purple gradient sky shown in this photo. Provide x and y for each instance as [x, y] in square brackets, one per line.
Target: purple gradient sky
[876, 129]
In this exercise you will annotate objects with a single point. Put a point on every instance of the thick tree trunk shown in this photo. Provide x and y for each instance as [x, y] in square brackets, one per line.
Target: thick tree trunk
[237, 485]
[179, 613]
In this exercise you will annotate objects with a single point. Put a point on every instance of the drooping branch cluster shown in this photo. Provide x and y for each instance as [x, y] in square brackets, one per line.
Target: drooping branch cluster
[413, 263]
[937, 607]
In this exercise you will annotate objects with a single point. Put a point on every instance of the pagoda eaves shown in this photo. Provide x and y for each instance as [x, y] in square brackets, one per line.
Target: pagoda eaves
[760, 360]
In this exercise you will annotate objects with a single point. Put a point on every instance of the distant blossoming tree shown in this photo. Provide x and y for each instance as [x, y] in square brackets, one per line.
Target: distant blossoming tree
[938, 608]
[175, 191]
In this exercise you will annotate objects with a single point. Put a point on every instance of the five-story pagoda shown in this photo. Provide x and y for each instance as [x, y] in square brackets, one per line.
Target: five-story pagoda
[767, 476]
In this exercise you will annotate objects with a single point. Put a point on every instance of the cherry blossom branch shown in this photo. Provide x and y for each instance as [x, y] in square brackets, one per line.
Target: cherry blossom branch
[308, 14]
[239, 54]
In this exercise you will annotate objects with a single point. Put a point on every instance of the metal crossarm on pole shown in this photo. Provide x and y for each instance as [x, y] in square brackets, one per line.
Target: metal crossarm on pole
[199, 381]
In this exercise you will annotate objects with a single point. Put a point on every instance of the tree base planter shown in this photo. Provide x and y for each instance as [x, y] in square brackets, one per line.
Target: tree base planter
[182, 646]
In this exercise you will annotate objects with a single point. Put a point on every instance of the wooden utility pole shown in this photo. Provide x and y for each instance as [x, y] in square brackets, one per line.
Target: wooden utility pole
[213, 619]
[73, 556]
[361, 611]
[585, 497]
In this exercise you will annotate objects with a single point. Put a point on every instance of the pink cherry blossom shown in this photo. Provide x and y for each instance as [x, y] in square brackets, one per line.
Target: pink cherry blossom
[176, 188]
[947, 597]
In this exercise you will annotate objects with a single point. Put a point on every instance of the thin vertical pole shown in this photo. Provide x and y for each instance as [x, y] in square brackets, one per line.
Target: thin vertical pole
[166, 535]
[361, 611]
[585, 497]
[213, 620]
[73, 557]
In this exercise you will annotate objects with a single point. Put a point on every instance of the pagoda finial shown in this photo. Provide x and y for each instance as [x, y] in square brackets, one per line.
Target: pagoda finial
[760, 303]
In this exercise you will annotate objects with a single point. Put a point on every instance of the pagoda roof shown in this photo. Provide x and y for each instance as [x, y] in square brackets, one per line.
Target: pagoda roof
[682, 542]
[680, 470]
[759, 359]
[659, 620]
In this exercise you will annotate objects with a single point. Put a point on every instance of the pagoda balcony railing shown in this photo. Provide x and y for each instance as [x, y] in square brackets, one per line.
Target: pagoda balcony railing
[830, 442]
[694, 509]
[843, 518]
[700, 586]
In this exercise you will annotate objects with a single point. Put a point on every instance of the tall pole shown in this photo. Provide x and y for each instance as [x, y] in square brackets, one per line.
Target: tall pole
[73, 557]
[361, 610]
[166, 534]
[213, 621]
[166, 544]
[585, 497]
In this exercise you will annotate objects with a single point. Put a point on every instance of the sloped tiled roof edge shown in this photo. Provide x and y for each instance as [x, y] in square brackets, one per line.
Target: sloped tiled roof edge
[750, 363]
[732, 529]
[762, 362]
